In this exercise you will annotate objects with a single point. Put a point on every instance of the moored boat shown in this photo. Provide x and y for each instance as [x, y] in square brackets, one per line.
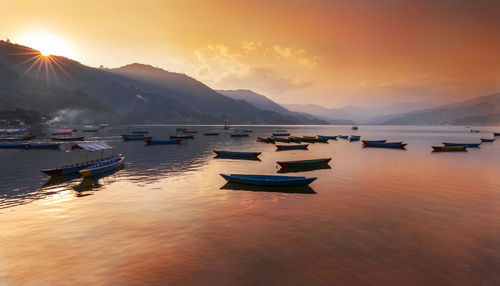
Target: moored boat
[373, 141]
[304, 163]
[474, 131]
[103, 125]
[392, 145]
[14, 145]
[487, 139]
[470, 145]
[266, 140]
[162, 142]
[67, 138]
[292, 147]
[496, 133]
[277, 134]
[135, 137]
[64, 131]
[189, 131]
[327, 137]
[90, 128]
[181, 137]
[268, 180]
[224, 153]
[343, 136]
[354, 138]
[449, 148]
[140, 132]
[355, 127]
[211, 133]
[238, 134]
[102, 167]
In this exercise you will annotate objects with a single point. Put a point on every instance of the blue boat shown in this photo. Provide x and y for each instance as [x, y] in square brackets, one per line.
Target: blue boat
[277, 134]
[132, 137]
[223, 153]
[14, 145]
[238, 134]
[343, 137]
[392, 145]
[181, 137]
[268, 180]
[487, 139]
[102, 167]
[470, 145]
[327, 137]
[354, 138]
[162, 142]
[292, 147]
[374, 141]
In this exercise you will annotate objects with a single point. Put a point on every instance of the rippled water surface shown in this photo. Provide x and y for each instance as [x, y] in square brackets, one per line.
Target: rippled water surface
[376, 217]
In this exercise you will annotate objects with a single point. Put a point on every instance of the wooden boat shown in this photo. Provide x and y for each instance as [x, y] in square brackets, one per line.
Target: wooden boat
[321, 140]
[292, 147]
[487, 139]
[238, 134]
[354, 138]
[374, 141]
[470, 145]
[140, 132]
[67, 138]
[102, 167]
[304, 163]
[309, 139]
[327, 137]
[496, 133]
[277, 134]
[295, 139]
[268, 180]
[189, 131]
[343, 137]
[14, 146]
[284, 140]
[392, 145]
[449, 148]
[223, 153]
[162, 142]
[181, 137]
[266, 140]
[135, 137]
[211, 134]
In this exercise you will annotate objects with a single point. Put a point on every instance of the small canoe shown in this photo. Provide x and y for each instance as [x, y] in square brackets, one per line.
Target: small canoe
[162, 142]
[211, 134]
[223, 153]
[449, 148]
[238, 134]
[321, 140]
[277, 134]
[140, 132]
[343, 137]
[327, 137]
[487, 139]
[496, 133]
[266, 140]
[373, 141]
[102, 167]
[354, 138]
[295, 139]
[66, 138]
[392, 145]
[304, 163]
[309, 139]
[292, 147]
[284, 140]
[75, 168]
[470, 145]
[14, 145]
[268, 180]
[181, 137]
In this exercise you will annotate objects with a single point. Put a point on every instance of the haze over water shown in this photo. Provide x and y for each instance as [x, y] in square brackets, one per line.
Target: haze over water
[377, 217]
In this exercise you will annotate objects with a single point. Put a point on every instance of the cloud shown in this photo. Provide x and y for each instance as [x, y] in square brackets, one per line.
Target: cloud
[297, 55]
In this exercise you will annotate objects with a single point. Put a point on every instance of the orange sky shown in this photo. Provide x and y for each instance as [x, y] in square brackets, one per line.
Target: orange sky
[332, 53]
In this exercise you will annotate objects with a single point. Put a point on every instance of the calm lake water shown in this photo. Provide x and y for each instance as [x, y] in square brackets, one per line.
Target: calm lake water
[376, 217]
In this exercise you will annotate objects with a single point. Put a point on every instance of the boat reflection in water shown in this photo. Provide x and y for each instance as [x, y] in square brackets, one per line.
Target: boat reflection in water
[271, 189]
[95, 182]
[284, 170]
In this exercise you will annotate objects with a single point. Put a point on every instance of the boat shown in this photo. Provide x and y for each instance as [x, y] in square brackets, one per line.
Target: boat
[470, 145]
[75, 168]
[102, 167]
[223, 153]
[295, 139]
[140, 132]
[135, 137]
[44, 145]
[238, 134]
[271, 189]
[66, 131]
[285, 170]
[474, 131]
[354, 138]
[327, 137]
[162, 142]
[67, 138]
[355, 127]
[487, 139]
[321, 140]
[392, 145]
[211, 133]
[292, 147]
[277, 134]
[16, 137]
[496, 133]
[284, 140]
[226, 127]
[103, 125]
[14, 145]
[90, 128]
[343, 137]
[189, 131]
[304, 163]
[266, 140]
[310, 139]
[268, 180]
[449, 148]
[181, 137]
[374, 141]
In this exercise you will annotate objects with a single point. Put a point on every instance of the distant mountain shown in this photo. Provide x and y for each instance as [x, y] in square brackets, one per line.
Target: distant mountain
[479, 110]
[262, 102]
[350, 114]
[136, 93]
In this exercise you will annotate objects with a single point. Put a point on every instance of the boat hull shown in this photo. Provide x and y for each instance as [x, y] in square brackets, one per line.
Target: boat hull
[182, 137]
[74, 168]
[304, 163]
[281, 134]
[233, 154]
[268, 180]
[211, 134]
[239, 135]
[487, 140]
[162, 142]
[449, 148]
[292, 147]
[79, 138]
[327, 137]
[14, 145]
[390, 145]
[373, 141]
[101, 167]
[470, 145]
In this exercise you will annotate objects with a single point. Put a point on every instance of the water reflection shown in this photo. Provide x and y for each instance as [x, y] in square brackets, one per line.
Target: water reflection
[289, 190]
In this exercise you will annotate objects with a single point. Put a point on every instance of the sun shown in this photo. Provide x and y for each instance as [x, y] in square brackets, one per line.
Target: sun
[47, 44]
